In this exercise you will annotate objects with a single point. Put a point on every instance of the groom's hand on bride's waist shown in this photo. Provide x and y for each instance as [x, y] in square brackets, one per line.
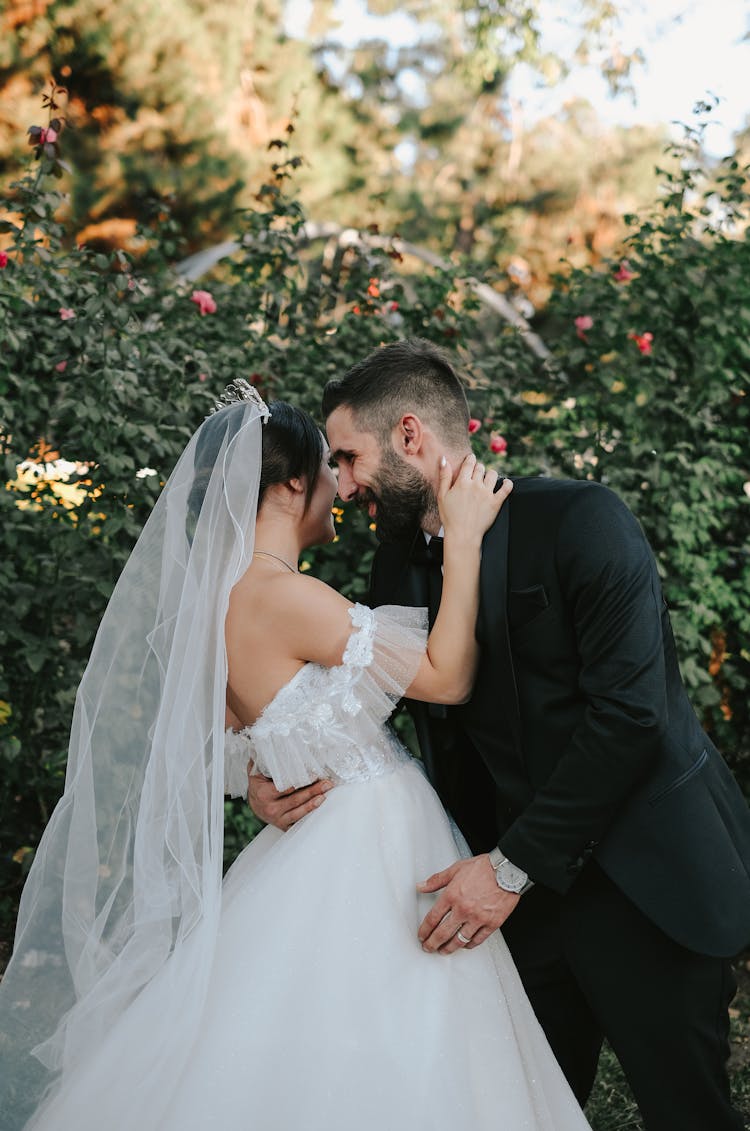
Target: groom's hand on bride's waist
[282, 809]
[470, 907]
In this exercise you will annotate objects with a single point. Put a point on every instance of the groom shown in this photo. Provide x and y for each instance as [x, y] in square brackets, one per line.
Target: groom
[612, 844]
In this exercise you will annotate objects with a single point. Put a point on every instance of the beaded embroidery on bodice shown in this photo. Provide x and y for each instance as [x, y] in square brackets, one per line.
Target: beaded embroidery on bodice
[331, 722]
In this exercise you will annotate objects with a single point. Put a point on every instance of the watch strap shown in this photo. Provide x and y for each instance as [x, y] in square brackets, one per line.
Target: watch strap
[498, 857]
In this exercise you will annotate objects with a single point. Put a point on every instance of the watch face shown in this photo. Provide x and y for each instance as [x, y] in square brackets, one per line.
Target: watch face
[510, 877]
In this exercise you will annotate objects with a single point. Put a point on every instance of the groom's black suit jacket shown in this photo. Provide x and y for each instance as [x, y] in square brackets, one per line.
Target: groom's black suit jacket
[579, 739]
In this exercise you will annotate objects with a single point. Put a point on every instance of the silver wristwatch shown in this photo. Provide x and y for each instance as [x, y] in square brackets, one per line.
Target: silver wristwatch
[508, 876]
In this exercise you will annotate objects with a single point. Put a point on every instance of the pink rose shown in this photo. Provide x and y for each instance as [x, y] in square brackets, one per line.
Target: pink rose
[202, 376]
[498, 444]
[583, 322]
[66, 313]
[643, 341]
[205, 302]
[474, 425]
[3, 259]
[623, 272]
[61, 366]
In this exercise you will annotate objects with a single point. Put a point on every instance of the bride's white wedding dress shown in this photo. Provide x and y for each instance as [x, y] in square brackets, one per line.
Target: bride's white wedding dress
[323, 1013]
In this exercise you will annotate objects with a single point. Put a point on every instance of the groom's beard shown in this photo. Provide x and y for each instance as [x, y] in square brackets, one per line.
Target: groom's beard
[403, 497]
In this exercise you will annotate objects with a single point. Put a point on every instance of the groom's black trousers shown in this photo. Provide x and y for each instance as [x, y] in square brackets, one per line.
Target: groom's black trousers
[594, 967]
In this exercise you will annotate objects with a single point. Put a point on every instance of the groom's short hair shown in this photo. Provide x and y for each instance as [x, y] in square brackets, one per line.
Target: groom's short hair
[412, 375]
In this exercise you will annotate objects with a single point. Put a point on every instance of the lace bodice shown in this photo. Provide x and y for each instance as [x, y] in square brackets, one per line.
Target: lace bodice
[331, 722]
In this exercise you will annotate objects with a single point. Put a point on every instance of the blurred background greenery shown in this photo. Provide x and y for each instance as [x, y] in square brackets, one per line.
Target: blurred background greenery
[182, 98]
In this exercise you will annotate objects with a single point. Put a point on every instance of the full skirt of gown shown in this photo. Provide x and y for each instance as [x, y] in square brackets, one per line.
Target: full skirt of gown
[323, 1011]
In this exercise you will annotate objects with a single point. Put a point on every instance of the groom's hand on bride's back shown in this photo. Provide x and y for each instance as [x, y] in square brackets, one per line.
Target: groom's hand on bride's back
[282, 809]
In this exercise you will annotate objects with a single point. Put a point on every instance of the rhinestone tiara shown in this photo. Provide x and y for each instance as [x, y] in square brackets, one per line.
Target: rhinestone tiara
[241, 390]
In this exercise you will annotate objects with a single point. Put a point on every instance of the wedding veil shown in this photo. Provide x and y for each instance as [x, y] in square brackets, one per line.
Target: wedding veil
[128, 872]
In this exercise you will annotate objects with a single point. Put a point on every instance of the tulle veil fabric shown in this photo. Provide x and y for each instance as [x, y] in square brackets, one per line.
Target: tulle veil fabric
[129, 870]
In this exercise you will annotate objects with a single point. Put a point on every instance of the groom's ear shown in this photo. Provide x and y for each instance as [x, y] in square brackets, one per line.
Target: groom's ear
[409, 435]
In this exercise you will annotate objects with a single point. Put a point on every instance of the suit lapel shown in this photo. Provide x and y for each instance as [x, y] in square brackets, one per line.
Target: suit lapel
[394, 581]
[493, 623]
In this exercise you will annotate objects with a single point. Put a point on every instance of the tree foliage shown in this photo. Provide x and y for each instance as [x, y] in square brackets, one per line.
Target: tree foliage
[466, 173]
[180, 102]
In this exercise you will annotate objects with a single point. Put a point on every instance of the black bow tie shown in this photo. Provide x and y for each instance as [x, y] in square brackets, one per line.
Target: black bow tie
[428, 554]
[435, 550]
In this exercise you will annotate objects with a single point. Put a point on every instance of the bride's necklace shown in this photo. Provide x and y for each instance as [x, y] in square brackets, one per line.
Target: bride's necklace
[266, 554]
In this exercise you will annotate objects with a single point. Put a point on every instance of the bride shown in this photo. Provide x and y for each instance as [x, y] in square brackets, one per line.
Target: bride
[142, 991]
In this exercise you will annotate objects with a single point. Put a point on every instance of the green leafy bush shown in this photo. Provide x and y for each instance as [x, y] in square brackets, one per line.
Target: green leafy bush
[109, 362]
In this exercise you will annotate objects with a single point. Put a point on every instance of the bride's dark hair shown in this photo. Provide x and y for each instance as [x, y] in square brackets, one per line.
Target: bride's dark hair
[292, 449]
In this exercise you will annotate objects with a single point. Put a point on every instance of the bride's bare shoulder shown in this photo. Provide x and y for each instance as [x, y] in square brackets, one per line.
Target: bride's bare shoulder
[300, 615]
[286, 594]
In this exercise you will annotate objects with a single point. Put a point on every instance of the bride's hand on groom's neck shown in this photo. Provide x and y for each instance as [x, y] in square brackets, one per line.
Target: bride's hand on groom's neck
[469, 504]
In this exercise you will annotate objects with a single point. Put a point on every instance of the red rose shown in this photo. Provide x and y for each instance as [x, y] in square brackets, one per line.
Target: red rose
[643, 341]
[581, 323]
[205, 302]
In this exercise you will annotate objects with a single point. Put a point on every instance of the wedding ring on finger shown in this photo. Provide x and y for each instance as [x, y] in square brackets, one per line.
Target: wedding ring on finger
[462, 937]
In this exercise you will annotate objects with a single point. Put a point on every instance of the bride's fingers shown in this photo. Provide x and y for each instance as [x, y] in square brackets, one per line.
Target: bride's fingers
[466, 470]
[502, 491]
[446, 477]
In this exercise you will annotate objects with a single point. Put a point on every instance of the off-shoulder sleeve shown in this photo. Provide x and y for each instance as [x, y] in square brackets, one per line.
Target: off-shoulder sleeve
[384, 652]
[237, 754]
[328, 722]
